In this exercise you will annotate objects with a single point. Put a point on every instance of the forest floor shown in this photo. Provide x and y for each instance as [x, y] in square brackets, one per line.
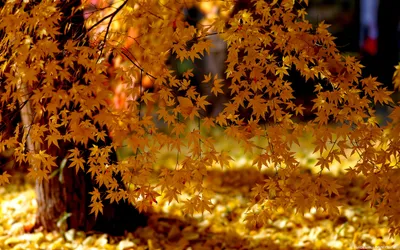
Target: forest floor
[357, 226]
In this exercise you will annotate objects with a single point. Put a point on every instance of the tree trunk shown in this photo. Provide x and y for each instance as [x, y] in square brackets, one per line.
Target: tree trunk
[66, 195]
[388, 40]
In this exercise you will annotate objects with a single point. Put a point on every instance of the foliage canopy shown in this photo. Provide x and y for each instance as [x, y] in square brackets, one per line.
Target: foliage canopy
[63, 93]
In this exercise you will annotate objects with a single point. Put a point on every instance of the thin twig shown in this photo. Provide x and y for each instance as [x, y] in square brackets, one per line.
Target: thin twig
[137, 66]
[109, 25]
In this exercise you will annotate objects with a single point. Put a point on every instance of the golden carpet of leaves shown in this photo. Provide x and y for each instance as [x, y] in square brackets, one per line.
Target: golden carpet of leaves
[224, 228]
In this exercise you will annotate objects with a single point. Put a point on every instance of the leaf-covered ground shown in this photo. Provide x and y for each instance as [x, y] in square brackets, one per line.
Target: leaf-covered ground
[224, 228]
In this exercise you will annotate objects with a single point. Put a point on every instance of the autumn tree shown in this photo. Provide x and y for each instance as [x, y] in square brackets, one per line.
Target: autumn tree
[62, 76]
[64, 196]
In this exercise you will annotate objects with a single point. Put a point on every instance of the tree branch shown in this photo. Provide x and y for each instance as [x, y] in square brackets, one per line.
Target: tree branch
[109, 25]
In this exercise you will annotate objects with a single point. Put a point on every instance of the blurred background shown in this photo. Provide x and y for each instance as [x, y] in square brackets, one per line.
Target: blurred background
[368, 29]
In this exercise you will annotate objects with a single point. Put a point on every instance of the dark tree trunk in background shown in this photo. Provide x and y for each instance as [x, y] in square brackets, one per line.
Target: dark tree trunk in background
[303, 90]
[388, 40]
[68, 192]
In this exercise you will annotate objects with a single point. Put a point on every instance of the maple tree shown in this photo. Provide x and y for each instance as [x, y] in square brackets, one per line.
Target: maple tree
[56, 77]
[65, 193]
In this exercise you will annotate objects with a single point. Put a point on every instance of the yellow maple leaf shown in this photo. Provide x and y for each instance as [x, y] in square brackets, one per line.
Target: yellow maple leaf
[97, 206]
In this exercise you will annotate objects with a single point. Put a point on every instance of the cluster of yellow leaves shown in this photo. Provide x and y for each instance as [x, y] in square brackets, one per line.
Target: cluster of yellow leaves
[4, 178]
[65, 87]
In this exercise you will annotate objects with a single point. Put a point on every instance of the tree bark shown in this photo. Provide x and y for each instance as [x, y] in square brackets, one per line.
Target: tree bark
[67, 193]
